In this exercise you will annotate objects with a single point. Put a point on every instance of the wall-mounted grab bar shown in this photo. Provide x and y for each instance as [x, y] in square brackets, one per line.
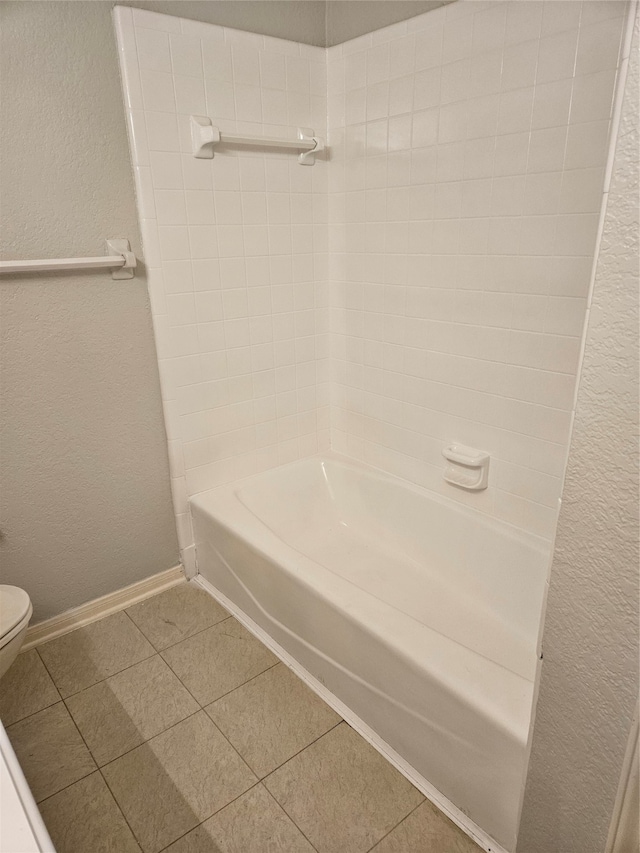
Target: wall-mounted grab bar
[205, 136]
[119, 258]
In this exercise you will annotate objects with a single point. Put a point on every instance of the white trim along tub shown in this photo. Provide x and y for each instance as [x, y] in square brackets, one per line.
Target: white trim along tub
[418, 615]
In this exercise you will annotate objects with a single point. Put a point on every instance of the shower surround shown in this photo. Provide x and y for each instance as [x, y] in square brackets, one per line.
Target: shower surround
[424, 283]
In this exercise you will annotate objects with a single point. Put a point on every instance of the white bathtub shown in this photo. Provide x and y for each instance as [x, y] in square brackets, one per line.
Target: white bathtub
[419, 615]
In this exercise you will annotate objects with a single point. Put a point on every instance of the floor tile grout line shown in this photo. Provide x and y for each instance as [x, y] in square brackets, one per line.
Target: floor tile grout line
[100, 767]
[200, 710]
[33, 713]
[112, 675]
[193, 829]
[148, 740]
[66, 787]
[197, 701]
[244, 684]
[46, 669]
[184, 834]
[295, 823]
[259, 780]
[41, 645]
[246, 764]
[311, 742]
[256, 784]
[62, 698]
[107, 677]
[168, 729]
[156, 651]
[203, 710]
[206, 704]
[133, 622]
[299, 828]
[144, 743]
[393, 828]
[213, 814]
[86, 745]
[287, 813]
[121, 810]
[95, 684]
[201, 707]
[184, 639]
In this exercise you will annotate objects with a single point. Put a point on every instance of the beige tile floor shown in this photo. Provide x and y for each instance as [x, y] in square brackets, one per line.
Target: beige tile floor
[168, 727]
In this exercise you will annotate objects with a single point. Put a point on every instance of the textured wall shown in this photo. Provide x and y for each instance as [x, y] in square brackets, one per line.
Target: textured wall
[86, 506]
[590, 672]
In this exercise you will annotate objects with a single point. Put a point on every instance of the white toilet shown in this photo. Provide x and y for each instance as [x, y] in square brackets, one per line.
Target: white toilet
[15, 612]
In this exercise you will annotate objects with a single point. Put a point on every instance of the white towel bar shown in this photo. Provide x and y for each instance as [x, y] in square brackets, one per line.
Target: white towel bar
[205, 136]
[119, 258]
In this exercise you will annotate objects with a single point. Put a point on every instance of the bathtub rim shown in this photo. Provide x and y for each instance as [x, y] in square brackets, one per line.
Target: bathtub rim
[539, 543]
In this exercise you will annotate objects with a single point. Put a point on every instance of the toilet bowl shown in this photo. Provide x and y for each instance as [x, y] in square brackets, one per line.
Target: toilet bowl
[15, 612]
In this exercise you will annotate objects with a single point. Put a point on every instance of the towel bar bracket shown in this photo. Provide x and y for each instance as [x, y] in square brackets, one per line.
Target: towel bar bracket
[120, 247]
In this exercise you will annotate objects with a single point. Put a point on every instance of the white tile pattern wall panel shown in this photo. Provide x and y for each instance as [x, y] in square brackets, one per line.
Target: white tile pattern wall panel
[425, 284]
[468, 153]
[235, 247]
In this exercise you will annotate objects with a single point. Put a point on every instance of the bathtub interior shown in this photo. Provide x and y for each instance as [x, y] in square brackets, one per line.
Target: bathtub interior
[472, 579]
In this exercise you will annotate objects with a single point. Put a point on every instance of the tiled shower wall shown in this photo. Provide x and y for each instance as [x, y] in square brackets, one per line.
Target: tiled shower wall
[425, 285]
[468, 153]
[236, 247]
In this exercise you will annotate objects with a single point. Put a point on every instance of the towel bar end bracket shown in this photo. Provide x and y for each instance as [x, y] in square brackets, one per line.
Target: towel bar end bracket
[121, 248]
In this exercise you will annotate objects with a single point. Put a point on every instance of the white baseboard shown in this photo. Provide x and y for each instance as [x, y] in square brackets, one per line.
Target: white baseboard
[100, 607]
[476, 833]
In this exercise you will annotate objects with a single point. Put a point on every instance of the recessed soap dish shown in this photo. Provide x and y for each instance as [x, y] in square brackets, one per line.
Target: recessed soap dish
[467, 467]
